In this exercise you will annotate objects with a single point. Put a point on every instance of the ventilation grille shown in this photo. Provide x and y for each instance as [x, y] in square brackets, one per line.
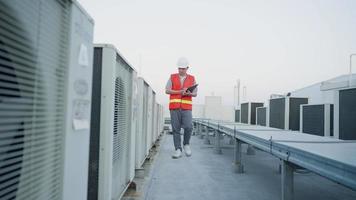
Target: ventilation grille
[277, 113]
[261, 116]
[237, 115]
[294, 112]
[120, 121]
[313, 119]
[253, 111]
[33, 68]
[347, 114]
[122, 127]
[244, 113]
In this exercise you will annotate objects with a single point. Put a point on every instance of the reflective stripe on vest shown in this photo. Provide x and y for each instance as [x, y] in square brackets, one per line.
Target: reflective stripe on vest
[180, 101]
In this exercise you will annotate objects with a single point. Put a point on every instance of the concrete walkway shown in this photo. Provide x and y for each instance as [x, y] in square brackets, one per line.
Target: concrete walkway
[208, 176]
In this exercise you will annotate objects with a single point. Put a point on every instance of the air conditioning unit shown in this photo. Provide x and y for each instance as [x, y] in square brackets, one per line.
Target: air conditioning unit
[237, 115]
[134, 125]
[345, 114]
[149, 119]
[284, 113]
[45, 99]
[317, 119]
[111, 139]
[261, 116]
[141, 137]
[154, 119]
[159, 123]
[145, 123]
[248, 112]
[161, 119]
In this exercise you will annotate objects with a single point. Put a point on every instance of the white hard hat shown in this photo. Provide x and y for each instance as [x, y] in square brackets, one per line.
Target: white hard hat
[182, 62]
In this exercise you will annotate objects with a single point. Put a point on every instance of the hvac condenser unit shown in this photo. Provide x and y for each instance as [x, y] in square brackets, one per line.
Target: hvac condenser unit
[111, 140]
[317, 119]
[284, 112]
[145, 131]
[161, 120]
[345, 114]
[156, 122]
[237, 116]
[248, 112]
[149, 119]
[261, 116]
[45, 98]
[140, 130]
[134, 125]
[154, 119]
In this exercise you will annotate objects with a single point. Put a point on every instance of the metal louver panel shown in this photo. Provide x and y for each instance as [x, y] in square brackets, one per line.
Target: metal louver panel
[120, 131]
[120, 142]
[347, 114]
[253, 112]
[261, 116]
[33, 71]
[294, 112]
[122, 127]
[244, 113]
[313, 119]
[237, 115]
[277, 113]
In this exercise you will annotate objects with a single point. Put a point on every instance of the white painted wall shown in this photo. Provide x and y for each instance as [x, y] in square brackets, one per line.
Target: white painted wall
[316, 96]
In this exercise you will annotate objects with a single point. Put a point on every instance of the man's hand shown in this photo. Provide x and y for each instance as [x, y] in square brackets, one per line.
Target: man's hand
[188, 93]
[184, 91]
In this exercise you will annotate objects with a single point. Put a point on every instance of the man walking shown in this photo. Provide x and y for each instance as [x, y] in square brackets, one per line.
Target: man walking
[180, 106]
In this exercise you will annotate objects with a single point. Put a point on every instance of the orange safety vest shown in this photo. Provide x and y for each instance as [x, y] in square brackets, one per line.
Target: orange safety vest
[177, 101]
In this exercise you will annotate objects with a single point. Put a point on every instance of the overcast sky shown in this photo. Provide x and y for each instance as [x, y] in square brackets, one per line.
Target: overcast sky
[272, 46]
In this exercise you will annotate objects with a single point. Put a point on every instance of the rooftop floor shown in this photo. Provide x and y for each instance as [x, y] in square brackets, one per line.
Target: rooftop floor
[207, 176]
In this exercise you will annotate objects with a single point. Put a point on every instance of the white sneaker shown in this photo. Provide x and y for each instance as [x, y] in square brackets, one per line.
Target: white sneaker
[187, 150]
[177, 154]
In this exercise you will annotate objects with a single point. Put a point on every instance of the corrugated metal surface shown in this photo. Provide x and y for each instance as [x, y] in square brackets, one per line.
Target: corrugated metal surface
[122, 127]
[244, 112]
[253, 111]
[261, 116]
[347, 114]
[277, 113]
[313, 119]
[294, 112]
[237, 115]
[33, 71]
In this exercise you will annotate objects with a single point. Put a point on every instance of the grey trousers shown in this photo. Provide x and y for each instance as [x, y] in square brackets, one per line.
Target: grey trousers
[181, 119]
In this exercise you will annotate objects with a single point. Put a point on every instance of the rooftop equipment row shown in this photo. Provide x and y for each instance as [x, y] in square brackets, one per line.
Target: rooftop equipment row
[72, 126]
[294, 113]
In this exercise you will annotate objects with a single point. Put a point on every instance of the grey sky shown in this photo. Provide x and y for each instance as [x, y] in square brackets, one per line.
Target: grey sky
[272, 46]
